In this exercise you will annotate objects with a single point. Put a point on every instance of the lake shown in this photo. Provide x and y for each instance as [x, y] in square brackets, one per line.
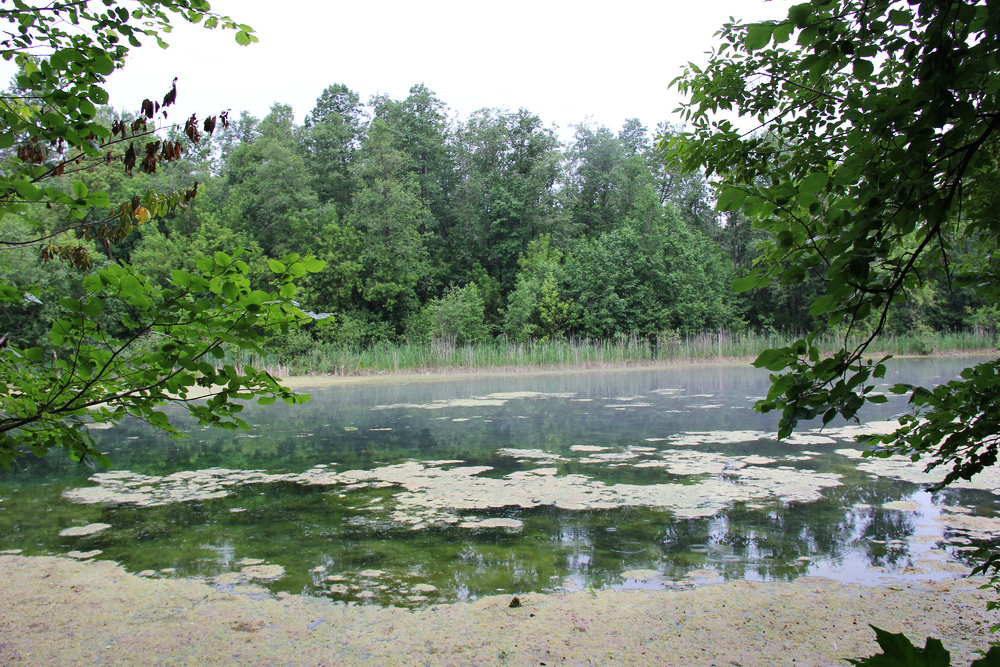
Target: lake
[415, 492]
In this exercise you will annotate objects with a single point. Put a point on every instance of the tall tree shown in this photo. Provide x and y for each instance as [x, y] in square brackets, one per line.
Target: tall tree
[419, 128]
[605, 173]
[332, 135]
[508, 166]
[269, 196]
[685, 188]
[391, 220]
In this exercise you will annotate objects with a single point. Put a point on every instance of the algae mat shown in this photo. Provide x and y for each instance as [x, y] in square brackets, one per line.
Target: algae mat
[60, 611]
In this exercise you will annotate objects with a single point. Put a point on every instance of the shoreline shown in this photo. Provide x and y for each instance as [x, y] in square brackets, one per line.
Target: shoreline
[320, 380]
[58, 611]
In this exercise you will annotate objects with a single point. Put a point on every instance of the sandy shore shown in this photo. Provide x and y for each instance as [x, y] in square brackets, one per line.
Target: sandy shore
[306, 382]
[54, 611]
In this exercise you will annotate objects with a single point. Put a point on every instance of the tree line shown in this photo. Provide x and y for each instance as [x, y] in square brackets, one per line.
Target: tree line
[437, 228]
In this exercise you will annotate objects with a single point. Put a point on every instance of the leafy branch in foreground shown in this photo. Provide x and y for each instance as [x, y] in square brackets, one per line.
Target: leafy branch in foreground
[898, 651]
[52, 124]
[123, 346]
[128, 347]
[872, 166]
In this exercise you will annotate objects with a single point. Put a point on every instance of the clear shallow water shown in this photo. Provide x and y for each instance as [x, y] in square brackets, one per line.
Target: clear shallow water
[317, 532]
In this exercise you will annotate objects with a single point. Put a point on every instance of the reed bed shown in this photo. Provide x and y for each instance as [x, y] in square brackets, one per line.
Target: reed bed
[505, 354]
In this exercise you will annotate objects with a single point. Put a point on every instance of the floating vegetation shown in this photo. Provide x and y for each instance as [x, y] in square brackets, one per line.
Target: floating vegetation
[901, 467]
[530, 454]
[439, 405]
[852, 431]
[513, 395]
[82, 531]
[808, 438]
[693, 438]
[607, 457]
[489, 400]
[901, 506]
[975, 527]
[431, 494]
[123, 487]
[507, 524]
[263, 572]
[628, 406]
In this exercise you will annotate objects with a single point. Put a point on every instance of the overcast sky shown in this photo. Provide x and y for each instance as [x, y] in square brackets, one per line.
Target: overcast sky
[565, 61]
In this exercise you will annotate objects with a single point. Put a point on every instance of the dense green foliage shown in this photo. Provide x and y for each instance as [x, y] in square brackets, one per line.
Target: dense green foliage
[873, 170]
[434, 228]
[871, 166]
[87, 341]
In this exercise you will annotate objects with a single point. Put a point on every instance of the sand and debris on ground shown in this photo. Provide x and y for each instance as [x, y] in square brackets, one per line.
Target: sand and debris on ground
[59, 611]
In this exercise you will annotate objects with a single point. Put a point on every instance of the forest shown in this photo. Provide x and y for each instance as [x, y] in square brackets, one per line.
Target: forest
[437, 228]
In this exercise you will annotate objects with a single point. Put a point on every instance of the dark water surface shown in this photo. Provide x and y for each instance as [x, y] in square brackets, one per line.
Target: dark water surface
[315, 532]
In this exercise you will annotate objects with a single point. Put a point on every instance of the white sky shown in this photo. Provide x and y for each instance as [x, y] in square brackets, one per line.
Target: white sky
[563, 60]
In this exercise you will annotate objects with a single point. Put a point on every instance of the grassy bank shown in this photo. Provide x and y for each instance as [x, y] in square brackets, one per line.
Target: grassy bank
[328, 359]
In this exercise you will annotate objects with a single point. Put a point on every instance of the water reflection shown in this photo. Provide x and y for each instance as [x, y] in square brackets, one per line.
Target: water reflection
[325, 537]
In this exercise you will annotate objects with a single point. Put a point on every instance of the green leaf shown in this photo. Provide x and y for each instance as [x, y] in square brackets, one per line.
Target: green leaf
[180, 278]
[730, 199]
[244, 38]
[814, 182]
[758, 35]
[898, 651]
[827, 303]
[775, 360]
[102, 63]
[863, 69]
[744, 284]
[991, 659]
[799, 14]
[70, 304]
[26, 190]
[312, 264]
[276, 266]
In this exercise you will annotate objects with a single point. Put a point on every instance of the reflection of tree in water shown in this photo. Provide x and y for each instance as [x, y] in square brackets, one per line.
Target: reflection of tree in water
[302, 527]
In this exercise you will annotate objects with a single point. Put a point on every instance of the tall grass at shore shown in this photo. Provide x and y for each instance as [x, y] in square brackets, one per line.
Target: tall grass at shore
[500, 354]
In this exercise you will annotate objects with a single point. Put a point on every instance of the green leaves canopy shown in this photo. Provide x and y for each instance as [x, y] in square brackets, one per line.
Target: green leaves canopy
[122, 345]
[871, 144]
[172, 351]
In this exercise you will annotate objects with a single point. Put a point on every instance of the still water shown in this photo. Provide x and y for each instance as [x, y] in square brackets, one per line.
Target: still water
[379, 492]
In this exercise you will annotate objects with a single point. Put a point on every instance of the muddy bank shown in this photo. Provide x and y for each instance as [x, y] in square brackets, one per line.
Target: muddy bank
[61, 611]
